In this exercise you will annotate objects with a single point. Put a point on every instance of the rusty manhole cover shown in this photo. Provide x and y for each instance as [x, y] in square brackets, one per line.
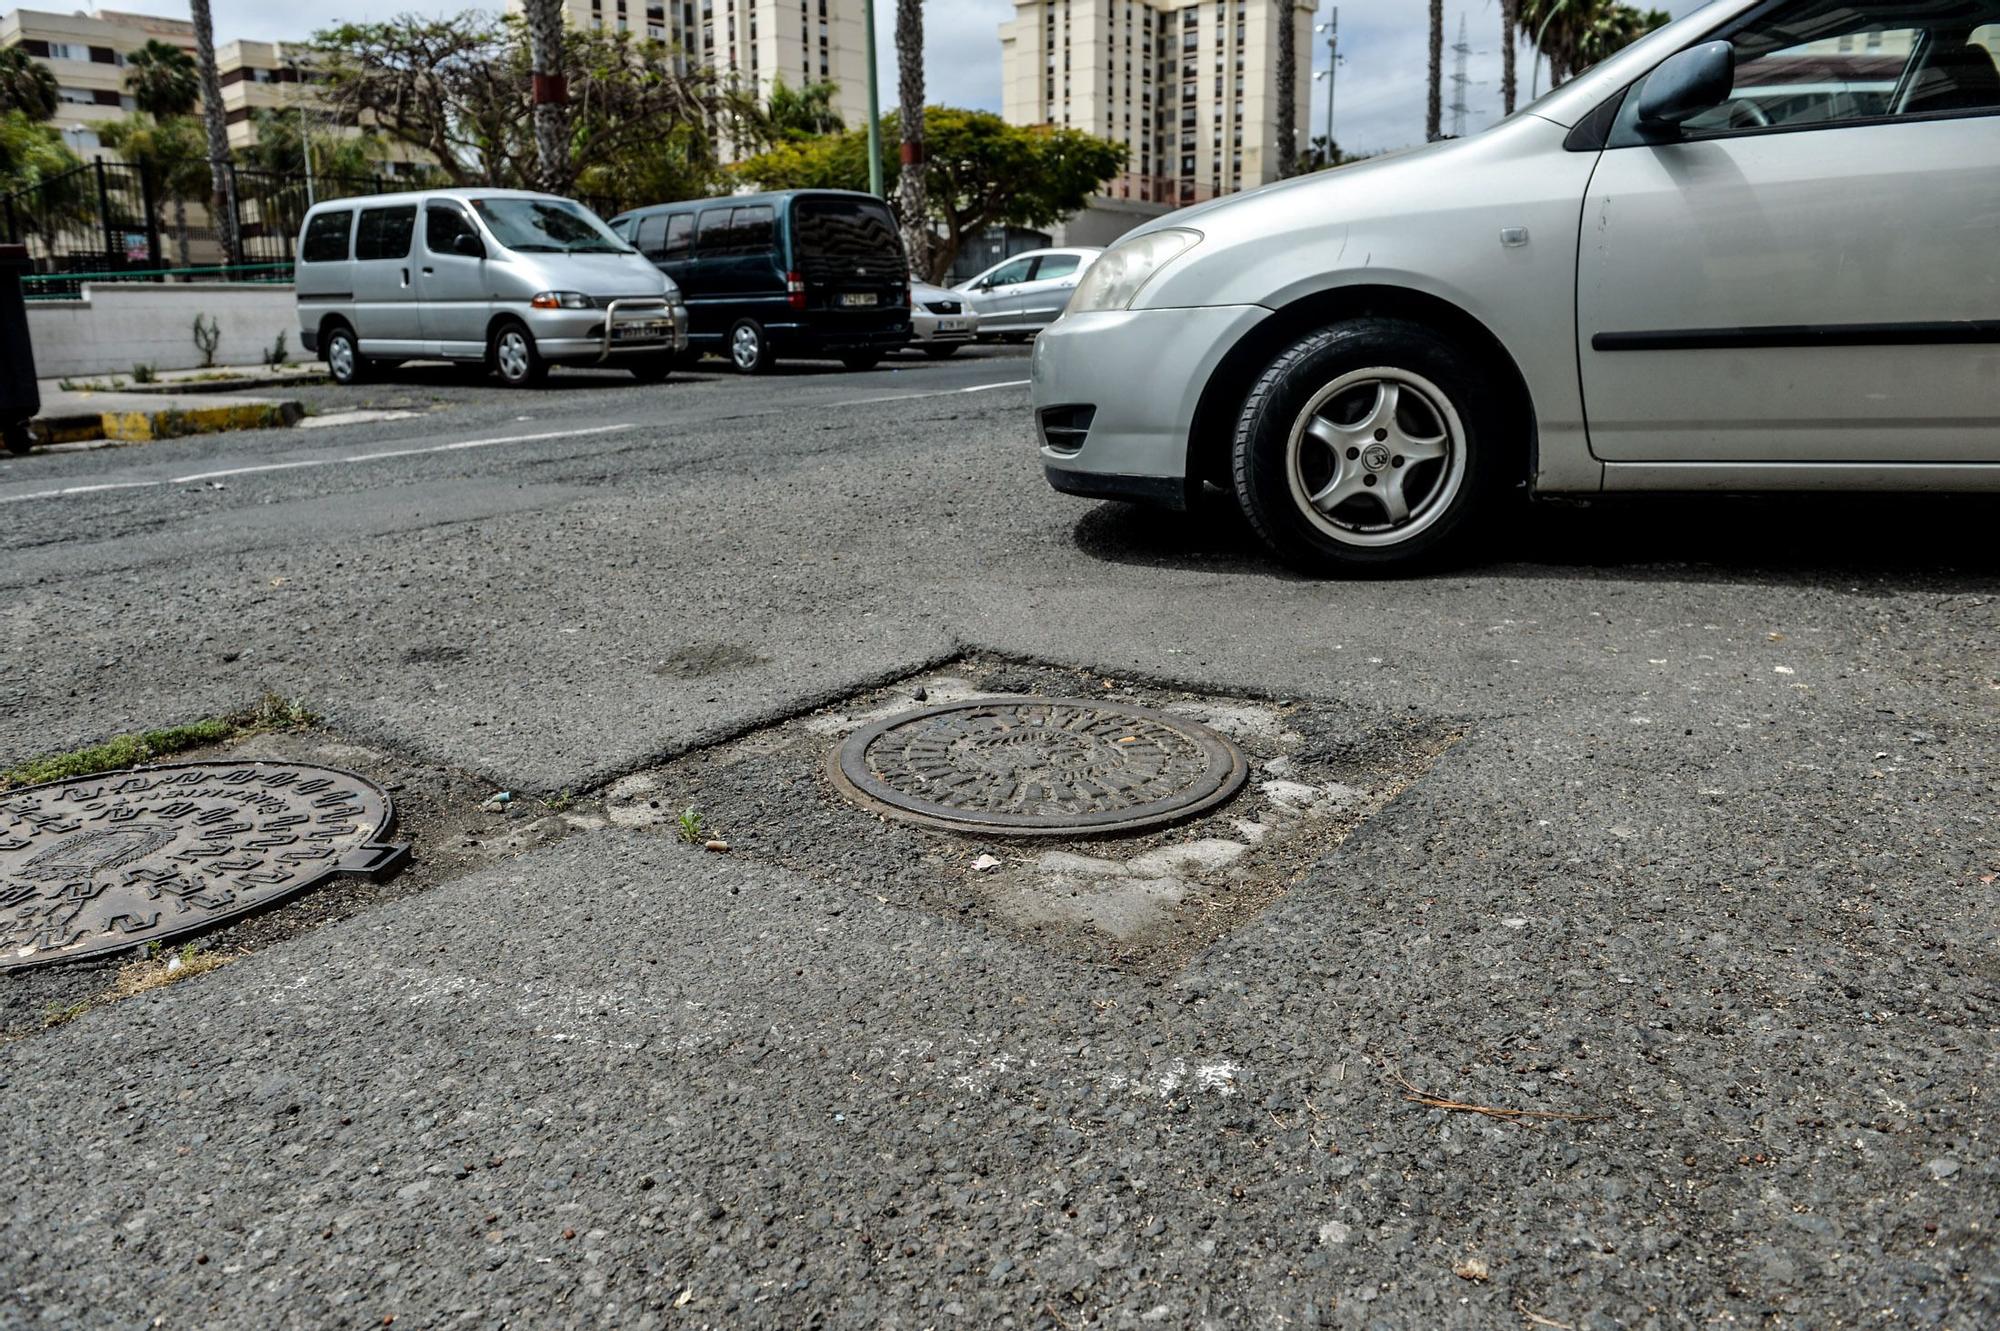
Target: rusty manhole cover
[1038, 767]
[102, 863]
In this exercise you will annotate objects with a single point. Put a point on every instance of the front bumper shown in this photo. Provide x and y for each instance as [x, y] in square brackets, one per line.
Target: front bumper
[1144, 372]
[572, 336]
[925, 327]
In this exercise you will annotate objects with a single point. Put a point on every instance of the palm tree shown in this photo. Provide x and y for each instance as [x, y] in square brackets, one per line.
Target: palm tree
[26, 84]
[912, 201]
[1288, 87]
[1576, 34]
[222, 181]
[551, 92]
[1510, 37]
[1434, 109]
[163, 79]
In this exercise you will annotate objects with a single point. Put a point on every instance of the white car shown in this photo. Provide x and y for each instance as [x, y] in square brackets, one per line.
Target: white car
[1659, 277]
[1019, 297]
[941, 321]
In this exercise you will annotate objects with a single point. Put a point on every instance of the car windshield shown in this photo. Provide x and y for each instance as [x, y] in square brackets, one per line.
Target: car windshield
[547, 226]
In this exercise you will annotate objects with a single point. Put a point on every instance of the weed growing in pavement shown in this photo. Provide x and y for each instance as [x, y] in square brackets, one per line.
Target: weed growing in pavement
[156, 972]
[270, 712]
[55, 1014]
[276, 354]
[559, 802]
[207, 338]
[143, 373]
[690, 825]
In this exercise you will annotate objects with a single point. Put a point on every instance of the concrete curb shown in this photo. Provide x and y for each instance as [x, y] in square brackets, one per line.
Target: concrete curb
[166, 423]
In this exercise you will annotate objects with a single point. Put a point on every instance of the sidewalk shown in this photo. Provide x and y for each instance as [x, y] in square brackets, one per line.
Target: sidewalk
[180, 403]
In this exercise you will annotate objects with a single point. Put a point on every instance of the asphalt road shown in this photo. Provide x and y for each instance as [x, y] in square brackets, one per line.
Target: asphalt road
[1713, 861]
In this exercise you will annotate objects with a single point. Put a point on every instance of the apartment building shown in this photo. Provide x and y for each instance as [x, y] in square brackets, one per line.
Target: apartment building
[87, 53]
[1190, 87]
[757, 42]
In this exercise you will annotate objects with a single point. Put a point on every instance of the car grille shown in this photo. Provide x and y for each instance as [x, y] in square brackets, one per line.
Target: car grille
[944, 306]
[1065, 428]
[637, 302]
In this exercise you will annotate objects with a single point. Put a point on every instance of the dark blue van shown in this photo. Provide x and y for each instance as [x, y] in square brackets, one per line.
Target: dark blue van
[807, 273]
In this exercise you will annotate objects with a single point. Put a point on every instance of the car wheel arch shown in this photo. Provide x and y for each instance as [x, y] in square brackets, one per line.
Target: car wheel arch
[1212, 432]
[327, 325]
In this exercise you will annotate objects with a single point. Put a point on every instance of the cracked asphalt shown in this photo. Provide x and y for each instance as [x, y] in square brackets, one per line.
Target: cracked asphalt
[1712, 864]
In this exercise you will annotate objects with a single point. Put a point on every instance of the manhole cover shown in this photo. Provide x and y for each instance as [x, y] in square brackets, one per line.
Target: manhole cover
[1038, 767]
[102, 863]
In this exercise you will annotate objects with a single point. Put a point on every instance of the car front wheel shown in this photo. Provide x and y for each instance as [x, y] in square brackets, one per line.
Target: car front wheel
[1366, 447]
[515, 358]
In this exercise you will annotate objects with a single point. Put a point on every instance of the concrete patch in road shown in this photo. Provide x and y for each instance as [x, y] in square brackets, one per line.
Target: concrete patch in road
[1142, 902]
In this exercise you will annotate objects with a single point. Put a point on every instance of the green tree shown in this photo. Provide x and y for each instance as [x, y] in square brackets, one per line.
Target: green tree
[458, 90]
[34, 157]
[280, 145]
[979, 171]
[26, 84]
[800, 113]
[1575, 34]
[163, 79]
[172, 154]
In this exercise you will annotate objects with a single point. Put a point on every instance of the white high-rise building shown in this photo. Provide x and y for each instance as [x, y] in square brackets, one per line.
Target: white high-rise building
[1190, 87]
[757, 41]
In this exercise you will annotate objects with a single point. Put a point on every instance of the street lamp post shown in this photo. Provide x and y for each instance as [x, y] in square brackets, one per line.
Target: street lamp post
[874, 103]
[1332, 30]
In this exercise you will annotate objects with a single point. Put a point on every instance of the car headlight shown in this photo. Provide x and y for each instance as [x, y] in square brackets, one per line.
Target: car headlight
[562, 300]
[1113, 281]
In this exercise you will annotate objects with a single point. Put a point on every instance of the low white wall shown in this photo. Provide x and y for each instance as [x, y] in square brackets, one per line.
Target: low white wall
[118, 325]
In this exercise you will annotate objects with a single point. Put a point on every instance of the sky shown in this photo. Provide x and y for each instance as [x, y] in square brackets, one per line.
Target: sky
[1379, 89]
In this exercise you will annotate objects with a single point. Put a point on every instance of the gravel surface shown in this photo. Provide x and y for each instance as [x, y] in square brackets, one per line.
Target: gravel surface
[1712, 861]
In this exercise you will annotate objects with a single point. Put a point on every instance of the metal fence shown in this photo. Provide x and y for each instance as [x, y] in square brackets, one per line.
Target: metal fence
[125, 222]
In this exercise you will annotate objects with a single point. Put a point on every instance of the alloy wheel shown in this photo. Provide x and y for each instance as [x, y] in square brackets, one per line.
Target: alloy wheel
[1376, 456]
[745, 347]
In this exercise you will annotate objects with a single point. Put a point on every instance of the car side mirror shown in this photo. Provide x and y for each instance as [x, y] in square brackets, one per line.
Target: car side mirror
[1696, 80]
[468, 244]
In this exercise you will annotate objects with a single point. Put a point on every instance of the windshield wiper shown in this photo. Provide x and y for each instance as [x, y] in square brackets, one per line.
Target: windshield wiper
[538, 249]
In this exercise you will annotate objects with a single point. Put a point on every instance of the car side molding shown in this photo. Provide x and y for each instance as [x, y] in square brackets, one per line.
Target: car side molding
[1958, 332]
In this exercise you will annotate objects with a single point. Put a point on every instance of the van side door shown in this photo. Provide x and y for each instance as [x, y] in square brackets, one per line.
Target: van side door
[451, 282]
[386, 317]
[667, 239]
[324, 276]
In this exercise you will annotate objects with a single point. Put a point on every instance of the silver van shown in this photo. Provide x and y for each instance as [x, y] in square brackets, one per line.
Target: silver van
[508, 279]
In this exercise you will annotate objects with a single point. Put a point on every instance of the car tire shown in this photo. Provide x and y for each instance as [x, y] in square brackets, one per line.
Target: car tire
[18, 438]
[652, 369]
[1369, 447]
[749, 347]
[944, 352]
[860, 360]
[344, 361]
[514, 357]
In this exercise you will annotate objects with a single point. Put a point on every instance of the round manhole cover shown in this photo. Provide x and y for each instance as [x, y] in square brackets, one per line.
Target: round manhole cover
[1038, 767]
[105, 862]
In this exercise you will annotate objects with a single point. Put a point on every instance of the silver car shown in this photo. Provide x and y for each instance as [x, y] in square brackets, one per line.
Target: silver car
[941, 321]
[507, 279]
[1018, 297]
[1644, 281]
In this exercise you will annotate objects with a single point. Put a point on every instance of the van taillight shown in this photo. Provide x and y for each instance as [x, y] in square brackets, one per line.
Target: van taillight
[795, 291]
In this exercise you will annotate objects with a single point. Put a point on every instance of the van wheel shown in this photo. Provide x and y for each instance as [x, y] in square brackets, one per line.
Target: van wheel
[652, 369]
[514, 357]
[860, 360]
[749, 348]
[344, 360]
[1370, 446]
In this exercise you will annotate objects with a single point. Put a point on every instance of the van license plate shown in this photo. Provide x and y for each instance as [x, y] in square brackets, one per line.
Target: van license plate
[857, 298]
[641, 332]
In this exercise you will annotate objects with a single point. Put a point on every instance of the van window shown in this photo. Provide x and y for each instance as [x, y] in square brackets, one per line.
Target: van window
[717, 237]
[444, 223]
[384, 233]
[853, 237]
[547, 226]
[326, 237]
[680, 235]
[1055, 265]
[752, 230]
[652, 238]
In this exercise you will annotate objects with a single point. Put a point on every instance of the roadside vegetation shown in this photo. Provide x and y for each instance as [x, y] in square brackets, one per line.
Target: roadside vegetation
[269, 713]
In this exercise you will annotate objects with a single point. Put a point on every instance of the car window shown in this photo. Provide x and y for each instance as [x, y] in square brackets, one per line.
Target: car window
[716, 237]
[752, 230]
[444, 223]
[326, 237]
[1007, 274]
[652, 237]
[384, 233]
[1055, 265]
[547, 226]
[1817, 63]
[680, 236]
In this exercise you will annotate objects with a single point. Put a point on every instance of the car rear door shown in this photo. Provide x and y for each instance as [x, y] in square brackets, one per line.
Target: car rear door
[849, 254]
[387, 321]
[1046, 291]
[1808, 274]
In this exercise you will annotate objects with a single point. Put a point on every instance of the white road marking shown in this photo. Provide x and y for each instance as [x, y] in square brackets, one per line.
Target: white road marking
[457, 446]
[942, 392]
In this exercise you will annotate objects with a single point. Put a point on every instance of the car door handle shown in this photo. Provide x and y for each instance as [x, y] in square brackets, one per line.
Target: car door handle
[430, 272]
[406, 277]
